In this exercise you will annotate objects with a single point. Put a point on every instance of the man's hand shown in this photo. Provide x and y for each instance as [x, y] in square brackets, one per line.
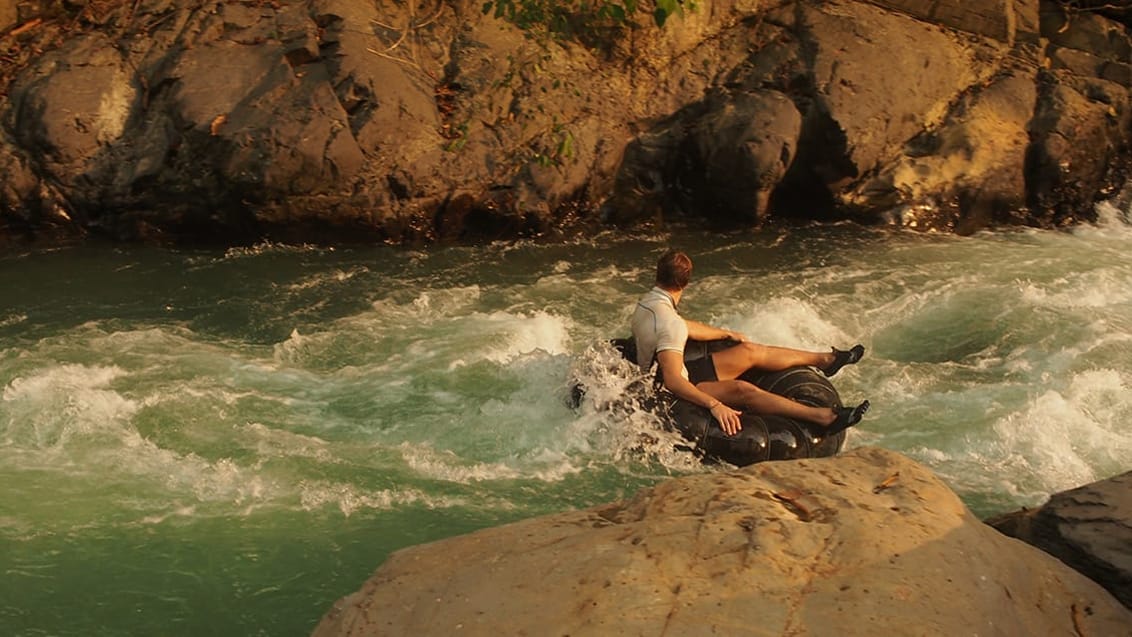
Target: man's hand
[728, 418]
[736, 336]
[700, 332]
[671, 365]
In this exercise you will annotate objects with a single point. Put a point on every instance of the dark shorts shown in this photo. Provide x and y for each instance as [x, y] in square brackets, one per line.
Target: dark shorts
[701, 369]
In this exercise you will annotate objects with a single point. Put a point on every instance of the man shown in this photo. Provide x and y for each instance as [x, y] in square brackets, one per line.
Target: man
[713, 381]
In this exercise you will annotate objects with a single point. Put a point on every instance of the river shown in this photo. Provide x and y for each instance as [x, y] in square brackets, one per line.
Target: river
[225, 442]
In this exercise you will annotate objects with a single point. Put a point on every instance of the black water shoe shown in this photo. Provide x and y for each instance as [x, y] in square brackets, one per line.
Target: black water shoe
[841, 358]
[846, 418]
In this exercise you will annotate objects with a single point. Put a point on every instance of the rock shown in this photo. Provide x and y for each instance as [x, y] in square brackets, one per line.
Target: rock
[391, 105]
[969, 171]
[724, 156]
[1071, 150]
[992, 20]
[332, 120]
[78, 101]
[9, 15]
[26, 206]
[1088, 33]
[1088, 528]
[866, 543]
[738, 152]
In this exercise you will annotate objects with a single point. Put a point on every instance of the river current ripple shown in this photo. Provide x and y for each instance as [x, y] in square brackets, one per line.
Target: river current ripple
[229, 441]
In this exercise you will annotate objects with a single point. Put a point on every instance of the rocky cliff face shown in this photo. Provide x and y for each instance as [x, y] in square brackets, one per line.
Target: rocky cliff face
[866, 543]
[384, 120]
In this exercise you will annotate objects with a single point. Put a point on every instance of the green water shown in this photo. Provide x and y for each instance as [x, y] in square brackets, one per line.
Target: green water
[227, 442]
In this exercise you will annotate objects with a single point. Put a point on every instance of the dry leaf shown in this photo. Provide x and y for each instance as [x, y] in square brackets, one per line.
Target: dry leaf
[214, 129]
[887, 483]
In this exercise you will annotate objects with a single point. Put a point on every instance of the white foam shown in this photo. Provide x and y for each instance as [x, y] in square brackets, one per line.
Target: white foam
[322, 279]
[430, 304]
[1111, 217]
[550, 465]
[447, 466]
[1062, 438]
[784, 322]
[500, 337]
[186, 512]
[1084, 290]
[613, 415]
[55, 404]
[349, 498]
[188, 475]
[292, 349]
[509, 336]
[269, 247]
[278, 443]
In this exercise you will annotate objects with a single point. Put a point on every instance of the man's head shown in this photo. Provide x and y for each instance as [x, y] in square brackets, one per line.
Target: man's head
[673, 271]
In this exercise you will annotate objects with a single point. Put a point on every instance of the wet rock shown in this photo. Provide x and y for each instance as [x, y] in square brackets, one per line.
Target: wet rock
[1089, 528]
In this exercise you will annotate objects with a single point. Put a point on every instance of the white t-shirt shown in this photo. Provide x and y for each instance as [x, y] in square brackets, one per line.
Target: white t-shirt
[657, 327]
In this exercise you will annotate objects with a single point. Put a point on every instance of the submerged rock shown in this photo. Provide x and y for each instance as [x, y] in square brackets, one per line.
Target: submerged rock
[865, 543]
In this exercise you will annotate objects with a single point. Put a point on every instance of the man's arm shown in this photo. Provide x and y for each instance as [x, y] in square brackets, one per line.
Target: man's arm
[671, 364]
[700, 332]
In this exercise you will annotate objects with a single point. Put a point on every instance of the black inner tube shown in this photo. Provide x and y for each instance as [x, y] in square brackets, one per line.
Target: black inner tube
[762, 437]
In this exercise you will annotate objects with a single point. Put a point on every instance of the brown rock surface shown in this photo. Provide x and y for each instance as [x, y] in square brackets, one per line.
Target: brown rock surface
[9, 14]
[865, 543]
[333, 120]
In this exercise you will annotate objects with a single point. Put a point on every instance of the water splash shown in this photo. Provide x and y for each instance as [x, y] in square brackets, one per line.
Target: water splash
[194, 409]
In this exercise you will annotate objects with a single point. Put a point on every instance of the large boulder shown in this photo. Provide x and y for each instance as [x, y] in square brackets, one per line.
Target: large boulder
[967, 172]
[75, 102]
[1088, 528]
[865, 543]
[987, 129]
[739, 151]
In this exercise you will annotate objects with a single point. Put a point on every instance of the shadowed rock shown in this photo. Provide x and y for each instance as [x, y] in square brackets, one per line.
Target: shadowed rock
[1088, 528]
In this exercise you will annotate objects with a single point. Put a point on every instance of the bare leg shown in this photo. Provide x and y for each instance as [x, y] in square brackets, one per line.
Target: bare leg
[744, 396]
[739, 394]
[733, 361]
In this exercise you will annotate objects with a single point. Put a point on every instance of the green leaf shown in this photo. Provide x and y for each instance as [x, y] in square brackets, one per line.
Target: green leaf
[487, 6]
[660, 15]
[566, 146]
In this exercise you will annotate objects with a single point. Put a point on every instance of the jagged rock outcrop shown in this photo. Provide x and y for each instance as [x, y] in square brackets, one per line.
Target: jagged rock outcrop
[865, 543]
[335, 120]
[1088, 528]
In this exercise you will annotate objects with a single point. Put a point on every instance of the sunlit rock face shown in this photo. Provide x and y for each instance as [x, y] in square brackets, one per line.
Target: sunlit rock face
[861, 543]
[330, 120]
